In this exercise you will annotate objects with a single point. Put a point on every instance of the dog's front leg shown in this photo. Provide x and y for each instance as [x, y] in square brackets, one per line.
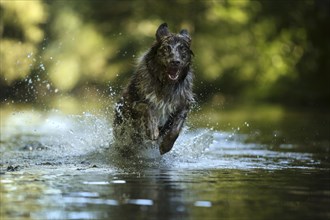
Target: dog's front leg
[149, 121]
[171, 134]
[152, 125]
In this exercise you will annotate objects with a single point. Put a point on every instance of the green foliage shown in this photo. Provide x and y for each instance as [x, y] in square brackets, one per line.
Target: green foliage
[20, 34]
[253, 50]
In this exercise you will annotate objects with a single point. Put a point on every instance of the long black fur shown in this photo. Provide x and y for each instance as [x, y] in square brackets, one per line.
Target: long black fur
[155, 104]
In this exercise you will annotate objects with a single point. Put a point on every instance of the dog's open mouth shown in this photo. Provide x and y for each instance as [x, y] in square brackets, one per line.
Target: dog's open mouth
[173, 73]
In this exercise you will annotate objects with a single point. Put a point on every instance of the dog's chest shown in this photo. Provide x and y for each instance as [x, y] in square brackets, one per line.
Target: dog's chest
[162, 108]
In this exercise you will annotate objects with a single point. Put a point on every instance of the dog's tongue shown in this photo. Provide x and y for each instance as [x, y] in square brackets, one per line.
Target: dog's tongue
[173, 73]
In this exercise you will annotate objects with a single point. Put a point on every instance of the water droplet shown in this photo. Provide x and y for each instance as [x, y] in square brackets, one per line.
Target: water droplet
[42, 67]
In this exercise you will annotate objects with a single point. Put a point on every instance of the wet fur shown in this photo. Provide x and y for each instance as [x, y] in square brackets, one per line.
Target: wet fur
[154, 106]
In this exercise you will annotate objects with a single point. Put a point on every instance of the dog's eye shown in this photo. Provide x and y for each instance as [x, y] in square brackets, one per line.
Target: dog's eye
[182, 48]
[166, 48]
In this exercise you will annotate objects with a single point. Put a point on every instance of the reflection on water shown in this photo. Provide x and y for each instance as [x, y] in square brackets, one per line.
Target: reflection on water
[225, 193]
[58, 166]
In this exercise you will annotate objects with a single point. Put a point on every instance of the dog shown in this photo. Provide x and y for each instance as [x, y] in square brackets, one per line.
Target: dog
[155, 104]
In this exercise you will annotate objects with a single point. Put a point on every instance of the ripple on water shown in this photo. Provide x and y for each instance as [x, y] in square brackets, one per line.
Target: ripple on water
[54, 139]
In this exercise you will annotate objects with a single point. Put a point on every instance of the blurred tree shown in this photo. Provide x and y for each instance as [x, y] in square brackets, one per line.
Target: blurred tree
[77, 52]
[20, 34]
[253, 50]
[308, 24]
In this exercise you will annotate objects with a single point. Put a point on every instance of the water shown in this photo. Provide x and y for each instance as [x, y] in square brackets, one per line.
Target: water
[63, 166]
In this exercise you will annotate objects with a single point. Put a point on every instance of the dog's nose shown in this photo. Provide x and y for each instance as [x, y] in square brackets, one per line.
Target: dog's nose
[174, 62]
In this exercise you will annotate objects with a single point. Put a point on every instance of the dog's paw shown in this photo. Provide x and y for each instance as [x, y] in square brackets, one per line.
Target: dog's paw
[166, 146]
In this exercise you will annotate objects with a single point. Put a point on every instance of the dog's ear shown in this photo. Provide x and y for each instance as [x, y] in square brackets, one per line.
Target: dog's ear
[162, 31]
[185, 35]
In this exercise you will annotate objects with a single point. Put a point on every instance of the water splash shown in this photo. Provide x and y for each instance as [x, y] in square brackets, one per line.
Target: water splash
[55, 138]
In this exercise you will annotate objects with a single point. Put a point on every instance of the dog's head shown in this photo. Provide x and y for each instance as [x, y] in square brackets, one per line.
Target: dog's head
[173, 52]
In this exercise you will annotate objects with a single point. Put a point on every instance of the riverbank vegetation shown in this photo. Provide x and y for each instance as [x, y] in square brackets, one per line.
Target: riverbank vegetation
[246, 51]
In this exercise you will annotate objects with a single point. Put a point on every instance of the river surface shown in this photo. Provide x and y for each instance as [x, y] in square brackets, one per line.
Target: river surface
[246, 164]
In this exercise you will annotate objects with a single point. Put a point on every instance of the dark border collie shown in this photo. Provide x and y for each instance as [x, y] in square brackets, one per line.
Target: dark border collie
[155, 104]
